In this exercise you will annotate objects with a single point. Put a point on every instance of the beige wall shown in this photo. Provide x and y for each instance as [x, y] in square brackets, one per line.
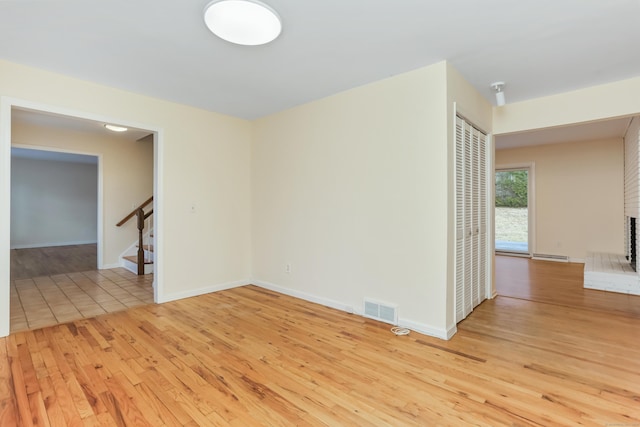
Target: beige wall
[127, 176]
[349, 191]
[354, 192]
[203, 160]
[579, 195]
[617, 99]
[468, 101]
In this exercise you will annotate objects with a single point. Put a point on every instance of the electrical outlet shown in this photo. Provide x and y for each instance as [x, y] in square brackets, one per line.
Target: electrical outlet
[287, 268]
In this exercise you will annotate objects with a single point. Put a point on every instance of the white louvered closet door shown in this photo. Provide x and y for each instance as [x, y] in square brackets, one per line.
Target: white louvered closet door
[483, 209]
[472, 252]
[460, 230]
[469, 249]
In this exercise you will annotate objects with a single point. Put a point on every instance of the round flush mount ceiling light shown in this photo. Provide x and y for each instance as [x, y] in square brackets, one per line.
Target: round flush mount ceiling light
[245, 22]
[115, 128]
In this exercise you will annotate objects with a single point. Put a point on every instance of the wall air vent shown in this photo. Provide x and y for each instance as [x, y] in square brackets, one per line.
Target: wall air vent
[384, 312]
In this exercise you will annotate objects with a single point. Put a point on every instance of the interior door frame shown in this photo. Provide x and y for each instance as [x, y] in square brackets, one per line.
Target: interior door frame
[531, 200]
[6, 105]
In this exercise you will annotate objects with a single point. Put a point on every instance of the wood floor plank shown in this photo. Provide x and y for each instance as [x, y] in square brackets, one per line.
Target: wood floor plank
[156, 384]
[64, 397]
[54, 409]
[19, 386]
[121, 404]
[38, 410]
[8, 405]
[153, 408]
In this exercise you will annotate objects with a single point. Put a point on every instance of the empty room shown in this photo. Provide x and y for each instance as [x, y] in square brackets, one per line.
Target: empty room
[317, 199]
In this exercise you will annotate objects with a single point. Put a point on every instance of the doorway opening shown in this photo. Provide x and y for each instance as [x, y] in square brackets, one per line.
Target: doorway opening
[513, 213]
[54, 212]
[30, 126]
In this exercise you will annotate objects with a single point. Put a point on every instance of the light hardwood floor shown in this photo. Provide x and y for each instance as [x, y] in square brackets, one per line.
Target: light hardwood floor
[247, 356]
[560, 284]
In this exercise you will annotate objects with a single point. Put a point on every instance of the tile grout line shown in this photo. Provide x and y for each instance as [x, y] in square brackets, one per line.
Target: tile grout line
[109, 293]
[66, 278]
[48, 303]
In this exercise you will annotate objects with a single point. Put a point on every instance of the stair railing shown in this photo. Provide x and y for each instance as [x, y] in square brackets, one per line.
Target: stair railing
[141, 216]
[149, 240]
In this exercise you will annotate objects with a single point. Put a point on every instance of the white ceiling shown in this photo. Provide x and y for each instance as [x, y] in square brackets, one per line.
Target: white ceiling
[161, 48]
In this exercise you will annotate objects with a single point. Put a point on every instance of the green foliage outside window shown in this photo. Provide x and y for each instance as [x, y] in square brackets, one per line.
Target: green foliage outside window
[511, 189]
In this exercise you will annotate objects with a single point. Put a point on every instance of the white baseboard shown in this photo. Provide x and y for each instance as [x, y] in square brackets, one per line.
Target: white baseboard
[53, 244]
[451, 331]
[327, 302]
[109, 266]
[443, 334]
[201, 291]
[305, 296]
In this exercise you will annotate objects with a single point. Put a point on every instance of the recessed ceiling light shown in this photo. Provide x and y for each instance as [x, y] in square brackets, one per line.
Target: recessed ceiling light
[115, 128]
[245, 22]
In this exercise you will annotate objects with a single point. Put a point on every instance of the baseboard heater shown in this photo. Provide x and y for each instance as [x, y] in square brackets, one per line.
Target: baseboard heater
[513, 253]
[547, 257]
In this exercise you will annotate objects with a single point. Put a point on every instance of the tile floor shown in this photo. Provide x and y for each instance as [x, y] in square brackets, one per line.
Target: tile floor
[48, 300]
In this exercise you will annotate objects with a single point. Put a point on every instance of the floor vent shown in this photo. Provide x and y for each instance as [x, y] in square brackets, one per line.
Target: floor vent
[547, 257]
[381, 311]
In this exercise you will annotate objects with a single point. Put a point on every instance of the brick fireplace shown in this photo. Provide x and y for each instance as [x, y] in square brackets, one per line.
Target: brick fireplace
[619, 272]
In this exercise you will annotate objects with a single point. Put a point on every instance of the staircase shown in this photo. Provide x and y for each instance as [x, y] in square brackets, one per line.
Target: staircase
[130, 258]
[139, 257]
